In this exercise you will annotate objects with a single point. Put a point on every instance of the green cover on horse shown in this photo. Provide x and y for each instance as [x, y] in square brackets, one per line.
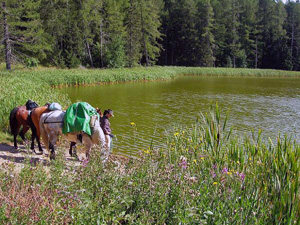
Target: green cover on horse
[78, 117]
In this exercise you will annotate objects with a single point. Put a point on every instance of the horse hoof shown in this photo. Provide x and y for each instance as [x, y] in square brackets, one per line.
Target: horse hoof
[52, 157]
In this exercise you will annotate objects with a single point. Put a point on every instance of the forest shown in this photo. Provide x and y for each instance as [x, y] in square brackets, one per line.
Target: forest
[129, 33]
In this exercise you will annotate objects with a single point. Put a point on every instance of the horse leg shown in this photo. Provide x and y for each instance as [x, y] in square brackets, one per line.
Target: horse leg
[23, 132]
[39, 144]
[72, 144]
[33, 136]
[88, 145]
[52, 142]
[52, 151]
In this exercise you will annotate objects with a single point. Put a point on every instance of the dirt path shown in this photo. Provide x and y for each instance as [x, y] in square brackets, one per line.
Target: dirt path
[16, 158]
[11, 158]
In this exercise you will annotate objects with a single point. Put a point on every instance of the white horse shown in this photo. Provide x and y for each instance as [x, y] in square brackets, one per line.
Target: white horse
[51, 125]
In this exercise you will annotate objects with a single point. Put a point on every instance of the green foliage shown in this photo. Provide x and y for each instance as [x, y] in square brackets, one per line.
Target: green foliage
[31, 62]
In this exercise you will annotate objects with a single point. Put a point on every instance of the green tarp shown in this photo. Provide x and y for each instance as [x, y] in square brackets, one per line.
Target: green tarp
[77, 118]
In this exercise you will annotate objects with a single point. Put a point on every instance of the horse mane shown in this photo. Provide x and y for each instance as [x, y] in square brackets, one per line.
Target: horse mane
[13, 120]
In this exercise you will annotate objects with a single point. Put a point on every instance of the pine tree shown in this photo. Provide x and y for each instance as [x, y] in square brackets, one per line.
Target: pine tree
[150, 34]
[293, 33]
[113, 18]
[274, 50]
[205, 29]
[25, 40]
[133, 33]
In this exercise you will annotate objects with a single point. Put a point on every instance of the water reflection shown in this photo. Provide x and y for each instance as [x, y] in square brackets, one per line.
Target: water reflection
[270, 104]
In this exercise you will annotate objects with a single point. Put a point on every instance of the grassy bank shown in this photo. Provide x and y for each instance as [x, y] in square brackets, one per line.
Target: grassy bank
[207, 176]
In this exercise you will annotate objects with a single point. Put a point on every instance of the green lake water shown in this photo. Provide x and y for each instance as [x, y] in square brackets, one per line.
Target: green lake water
[270, 104]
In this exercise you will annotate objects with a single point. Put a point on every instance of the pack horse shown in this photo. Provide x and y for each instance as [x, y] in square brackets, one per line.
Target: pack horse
[79, 119]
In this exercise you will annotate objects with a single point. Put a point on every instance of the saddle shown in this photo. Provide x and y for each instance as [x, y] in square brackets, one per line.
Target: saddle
[31, 105]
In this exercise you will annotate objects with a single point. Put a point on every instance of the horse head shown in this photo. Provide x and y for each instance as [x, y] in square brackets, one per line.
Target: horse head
[99, 112]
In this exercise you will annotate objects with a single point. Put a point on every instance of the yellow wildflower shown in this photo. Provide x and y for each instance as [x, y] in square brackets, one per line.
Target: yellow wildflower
[195, 161]
[202, 158]
[238, 162]
[215, 183]
[229, 173]
[176, 134]
[132, 123]
[146, 151]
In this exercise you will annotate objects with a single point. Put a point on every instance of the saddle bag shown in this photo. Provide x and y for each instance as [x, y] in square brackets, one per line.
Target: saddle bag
[55, 106]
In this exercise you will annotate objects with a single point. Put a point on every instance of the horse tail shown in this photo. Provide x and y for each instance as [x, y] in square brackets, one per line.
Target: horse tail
[13, 122]
[44, 134]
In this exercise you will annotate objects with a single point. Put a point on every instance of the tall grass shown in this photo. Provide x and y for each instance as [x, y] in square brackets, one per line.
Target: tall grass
[208, 175]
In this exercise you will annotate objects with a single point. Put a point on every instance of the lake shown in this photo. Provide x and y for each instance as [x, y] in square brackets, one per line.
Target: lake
[270, 104]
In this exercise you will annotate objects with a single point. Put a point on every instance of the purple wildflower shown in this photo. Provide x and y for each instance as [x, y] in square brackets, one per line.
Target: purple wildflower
[85, 162]
[183, 163]
[242, 176]
[225, 170]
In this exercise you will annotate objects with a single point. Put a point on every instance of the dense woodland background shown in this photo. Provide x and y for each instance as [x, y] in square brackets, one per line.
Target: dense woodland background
[127, 33]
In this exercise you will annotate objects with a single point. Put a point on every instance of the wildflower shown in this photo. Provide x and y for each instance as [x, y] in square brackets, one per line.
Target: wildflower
[183, 163]
[225, 170]
[146, 151]
[195, 161]
[215, 183]
[238, 162]
[183, 132]
[85, 162]
[132, 123]
[176, 134]
[202, 158]
[229, 173]
[242, 176]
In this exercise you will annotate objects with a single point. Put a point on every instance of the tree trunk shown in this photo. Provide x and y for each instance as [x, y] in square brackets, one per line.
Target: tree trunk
[256, 53]
[89, 52]
[144, 38]
[101, 43]
[7, 44]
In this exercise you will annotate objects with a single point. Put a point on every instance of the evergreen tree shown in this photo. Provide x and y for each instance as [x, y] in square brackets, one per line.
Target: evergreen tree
[274, 50]
[113, 18]
[133, 33]
[293, 32]
[150, 34]
[206, 36]
[25, 40]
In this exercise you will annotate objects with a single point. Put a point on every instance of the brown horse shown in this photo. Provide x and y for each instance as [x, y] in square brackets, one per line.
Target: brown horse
[20, 116]
[35, 117]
